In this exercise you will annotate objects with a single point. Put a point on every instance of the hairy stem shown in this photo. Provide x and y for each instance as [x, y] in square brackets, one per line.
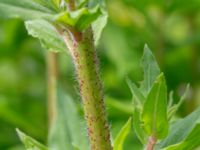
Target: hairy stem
[52, 83]
[151, 143]
[82, 50]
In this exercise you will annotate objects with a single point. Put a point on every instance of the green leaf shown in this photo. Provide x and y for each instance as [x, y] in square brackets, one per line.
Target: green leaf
[80, 19]
[98, 26]
[191, 142]
[171, 99]
[24, 9]
[47, 34]
[172, 110]
[181, 129]
[119, 140]
[138, 98]
[137, 125]
[67, 131]
[151, 70]
[30, 143]
[46, 3]
[154, 115]
[57, 3]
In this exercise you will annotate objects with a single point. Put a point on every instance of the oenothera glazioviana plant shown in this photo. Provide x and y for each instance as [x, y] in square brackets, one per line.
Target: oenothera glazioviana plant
[74, 26]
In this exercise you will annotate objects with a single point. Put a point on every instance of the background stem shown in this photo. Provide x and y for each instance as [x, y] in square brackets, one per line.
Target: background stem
[51, 85]
[83, 52]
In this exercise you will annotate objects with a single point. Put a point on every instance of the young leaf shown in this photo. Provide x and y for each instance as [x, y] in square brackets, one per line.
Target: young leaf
[24, 9]
[154, 115]
[88, 17]
[67, 132]
[171, 99]
[137, 125]
[80, 19]
[47, 34]
[119, 140]
[98, 26]
[151, 70]
[191, 142]
[30, 143]
[180, 129]
[174, 108]
[138, 98]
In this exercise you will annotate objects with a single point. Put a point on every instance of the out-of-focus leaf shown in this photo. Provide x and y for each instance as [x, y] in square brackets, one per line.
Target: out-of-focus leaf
[119, 140]
[47, 34]
[138, 97]
[181, 129]
[24, 9]
[137, 125]
[171, 99]
[154, 115]
[184, 6]
[191, 142]
[46, 3]
[80, 19]
[119, 106]
[56, 3]
[30, 143]
[151, 70]
[174, 108]
[67, 132]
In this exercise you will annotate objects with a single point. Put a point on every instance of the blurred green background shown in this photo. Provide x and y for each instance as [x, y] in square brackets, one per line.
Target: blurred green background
[171, 28]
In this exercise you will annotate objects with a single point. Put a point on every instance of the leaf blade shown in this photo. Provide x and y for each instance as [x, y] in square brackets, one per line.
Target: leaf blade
[191, 142]
[24, 9]
[154, 115]
[180, 129]
[46, 33]
[119, 140]
[30, 143]
[67, 120]
[137, 125]
[138, 97]
[150, 68]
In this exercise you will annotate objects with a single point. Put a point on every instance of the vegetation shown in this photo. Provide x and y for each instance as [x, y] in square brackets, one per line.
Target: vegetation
[74, 27]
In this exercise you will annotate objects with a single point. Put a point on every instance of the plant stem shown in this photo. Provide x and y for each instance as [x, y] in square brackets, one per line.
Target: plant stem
[151, 143]
[82, 50]
[52, 84]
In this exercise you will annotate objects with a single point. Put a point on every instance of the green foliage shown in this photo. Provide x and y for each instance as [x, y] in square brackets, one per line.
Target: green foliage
[81, 19]
[30, 143]
[140, 21]
[154, 115]
[183, 129]
[119, 140]
[67, 131]
[137, 126]
[57, 3]
[98, 27]
[191, 142]
[24, 9]
[151, 114]
[138, 97]
[173, 109]
[38, 12]
[47, 34]
[151, 70]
